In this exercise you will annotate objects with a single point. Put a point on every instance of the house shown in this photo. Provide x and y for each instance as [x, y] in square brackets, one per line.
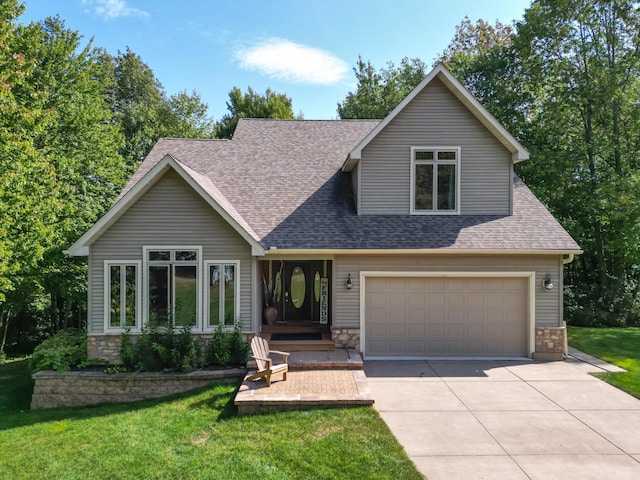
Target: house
[404, 238]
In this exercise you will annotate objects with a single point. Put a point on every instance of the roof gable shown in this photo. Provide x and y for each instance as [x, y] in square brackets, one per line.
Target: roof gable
[519, 153]
[199, 182]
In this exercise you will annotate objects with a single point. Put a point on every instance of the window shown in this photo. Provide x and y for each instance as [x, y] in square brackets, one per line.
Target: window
[172, 285]
[222, 292]
[434, 180]
[121, 294]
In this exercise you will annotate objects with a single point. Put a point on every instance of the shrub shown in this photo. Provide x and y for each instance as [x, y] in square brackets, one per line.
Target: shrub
[227, 348]
[65, 350]
[3, 357]
[160, 349]
[219, 352]
[239, 349]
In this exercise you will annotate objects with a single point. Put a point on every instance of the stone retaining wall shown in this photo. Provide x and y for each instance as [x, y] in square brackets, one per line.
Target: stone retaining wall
[549, 343]
[72, 389]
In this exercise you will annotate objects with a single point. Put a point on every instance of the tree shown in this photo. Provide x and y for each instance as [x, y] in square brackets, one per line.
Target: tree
[585, 60]
[187, 117]
[145, 113]
[252, 105]
[139, 105]
[28, 195]
[379, 92]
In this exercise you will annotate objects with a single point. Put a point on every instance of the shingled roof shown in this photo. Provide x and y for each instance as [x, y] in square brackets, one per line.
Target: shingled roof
[284, 179]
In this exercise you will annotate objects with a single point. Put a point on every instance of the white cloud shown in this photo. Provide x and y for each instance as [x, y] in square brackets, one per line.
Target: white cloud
[285, 60]
[109, 9]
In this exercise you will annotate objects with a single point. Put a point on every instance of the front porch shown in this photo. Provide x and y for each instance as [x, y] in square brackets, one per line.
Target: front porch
[297, 336]
[316, 379]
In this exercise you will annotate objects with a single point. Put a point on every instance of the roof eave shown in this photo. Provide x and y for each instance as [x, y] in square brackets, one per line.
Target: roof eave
[419, 251]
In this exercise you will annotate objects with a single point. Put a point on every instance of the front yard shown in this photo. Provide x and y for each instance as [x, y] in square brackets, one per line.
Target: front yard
[189, 436]
[620, 346]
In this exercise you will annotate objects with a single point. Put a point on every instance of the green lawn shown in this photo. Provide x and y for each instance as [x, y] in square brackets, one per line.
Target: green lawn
[620, 346]
[190, 436]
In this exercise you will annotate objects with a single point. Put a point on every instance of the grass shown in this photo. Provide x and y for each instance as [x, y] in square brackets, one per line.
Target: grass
[189, 436]
[620, 346]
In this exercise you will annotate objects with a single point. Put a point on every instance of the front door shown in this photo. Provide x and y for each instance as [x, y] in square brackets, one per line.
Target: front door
[305, 291]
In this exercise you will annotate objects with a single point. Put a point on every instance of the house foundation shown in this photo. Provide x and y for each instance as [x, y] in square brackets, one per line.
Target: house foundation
[550, 343]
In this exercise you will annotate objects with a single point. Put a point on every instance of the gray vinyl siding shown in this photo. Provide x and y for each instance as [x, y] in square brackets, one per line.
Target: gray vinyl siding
[548, 303]
[170, 213]
[435, 118]
[354, 185]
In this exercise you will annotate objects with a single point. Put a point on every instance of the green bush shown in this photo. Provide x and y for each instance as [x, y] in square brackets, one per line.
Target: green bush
[160, 349]
[3, 357]
[219, 351]
[239, 349]
[227, 348]
[65, 350]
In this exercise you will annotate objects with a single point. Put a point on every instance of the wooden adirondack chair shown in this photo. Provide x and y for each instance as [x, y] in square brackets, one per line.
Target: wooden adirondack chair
[260, 351]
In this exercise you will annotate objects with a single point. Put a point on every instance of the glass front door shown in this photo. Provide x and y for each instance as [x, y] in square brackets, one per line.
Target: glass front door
[300, 290]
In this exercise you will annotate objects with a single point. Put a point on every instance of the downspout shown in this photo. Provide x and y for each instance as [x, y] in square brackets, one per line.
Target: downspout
[568, 259]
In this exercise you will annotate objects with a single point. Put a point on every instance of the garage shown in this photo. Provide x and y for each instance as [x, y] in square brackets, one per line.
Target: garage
[446, 315]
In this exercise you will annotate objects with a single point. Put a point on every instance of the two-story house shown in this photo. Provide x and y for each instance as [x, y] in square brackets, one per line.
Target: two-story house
[409, 237]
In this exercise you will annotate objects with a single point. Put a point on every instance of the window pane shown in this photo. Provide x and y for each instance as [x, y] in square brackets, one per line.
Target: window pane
[115, 296]
[229, 294]
[424, 187]
[130, 304]
[158, 294]
[298, 287]
[214, 295]
[155, 256]
[186, 294]
[186, 255]
[446, 187]
[424, 155]
[446, 155]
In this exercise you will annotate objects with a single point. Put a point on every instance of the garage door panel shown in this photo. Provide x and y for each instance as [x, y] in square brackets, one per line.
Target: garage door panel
[437, 316]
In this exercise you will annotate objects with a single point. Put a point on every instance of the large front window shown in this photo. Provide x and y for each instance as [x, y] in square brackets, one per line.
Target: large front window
[434, 173]
[172, 286]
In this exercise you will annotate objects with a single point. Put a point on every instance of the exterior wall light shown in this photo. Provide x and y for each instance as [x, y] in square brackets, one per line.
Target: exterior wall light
[547, 283]
[348, 283]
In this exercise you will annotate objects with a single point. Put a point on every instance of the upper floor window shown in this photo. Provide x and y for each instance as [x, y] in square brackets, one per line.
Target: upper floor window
[435, 180]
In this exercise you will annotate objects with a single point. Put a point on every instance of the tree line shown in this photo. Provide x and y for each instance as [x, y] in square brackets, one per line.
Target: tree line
[76, 121]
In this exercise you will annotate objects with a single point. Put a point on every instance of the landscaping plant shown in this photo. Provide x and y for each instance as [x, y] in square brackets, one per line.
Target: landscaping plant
[160, 349]
[65, 350]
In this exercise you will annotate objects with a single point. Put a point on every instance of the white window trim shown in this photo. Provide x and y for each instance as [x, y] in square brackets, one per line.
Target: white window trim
[107, 294]
[434, 162]
[145, 280]
[205, 284]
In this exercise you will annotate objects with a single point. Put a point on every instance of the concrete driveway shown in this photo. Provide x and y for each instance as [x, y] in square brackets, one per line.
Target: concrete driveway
[508, 420]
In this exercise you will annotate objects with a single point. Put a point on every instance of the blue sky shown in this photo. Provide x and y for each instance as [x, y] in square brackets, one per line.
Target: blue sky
[304, 48]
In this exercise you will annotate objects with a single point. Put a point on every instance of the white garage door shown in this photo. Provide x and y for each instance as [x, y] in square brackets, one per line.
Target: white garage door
[439, 316]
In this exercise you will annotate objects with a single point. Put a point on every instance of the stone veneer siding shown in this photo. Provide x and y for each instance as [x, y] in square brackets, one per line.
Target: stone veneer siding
[346, 338]
[106, 347]
[72, 389]
[550, 343]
